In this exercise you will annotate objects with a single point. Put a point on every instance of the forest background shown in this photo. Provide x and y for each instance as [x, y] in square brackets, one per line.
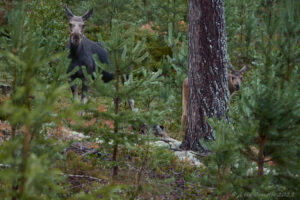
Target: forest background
[150, 39]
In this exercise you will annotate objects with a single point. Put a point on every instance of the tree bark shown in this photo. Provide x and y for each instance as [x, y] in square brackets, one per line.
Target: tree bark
[207, 71]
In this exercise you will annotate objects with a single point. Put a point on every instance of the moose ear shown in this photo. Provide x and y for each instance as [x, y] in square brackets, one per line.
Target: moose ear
[68, 12]
[230, 67]
[243, 69]
[87, 15]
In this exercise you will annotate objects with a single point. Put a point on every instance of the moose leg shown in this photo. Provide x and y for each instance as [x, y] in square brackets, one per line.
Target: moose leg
[84, 93]
[83, 96]
[130, 100]
[184, 105]
[131, 103]
[182, 125]
[74, 89]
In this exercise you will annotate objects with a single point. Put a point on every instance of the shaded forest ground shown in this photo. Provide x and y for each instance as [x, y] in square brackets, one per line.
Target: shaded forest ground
[158, 174]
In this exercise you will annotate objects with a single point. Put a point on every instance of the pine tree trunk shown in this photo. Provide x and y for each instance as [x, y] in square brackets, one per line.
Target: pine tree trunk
[174, 16]
[207, 73]
[147, 10]
[116, 123]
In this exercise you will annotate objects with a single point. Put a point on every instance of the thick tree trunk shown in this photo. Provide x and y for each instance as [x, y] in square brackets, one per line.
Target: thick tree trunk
[207, 73]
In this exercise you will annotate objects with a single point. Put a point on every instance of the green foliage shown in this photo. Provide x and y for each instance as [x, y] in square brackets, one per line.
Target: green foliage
[160, 159]
[48, 22]
[255, 156]
[33, 63]
[165, 12]
[224, 158]
[264, 115]
[48, 18]
[241, 30]
[125, 54]
[31, 173]
[174, 68]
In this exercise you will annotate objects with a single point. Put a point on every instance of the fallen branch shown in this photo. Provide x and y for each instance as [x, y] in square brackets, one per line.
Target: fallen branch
[82, 176]
[92, 151]
[165, 140]
[173, 149]
[4, 166]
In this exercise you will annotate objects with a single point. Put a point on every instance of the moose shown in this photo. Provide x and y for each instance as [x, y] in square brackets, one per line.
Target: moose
[81, 54]
[82, 51]
[234, 82]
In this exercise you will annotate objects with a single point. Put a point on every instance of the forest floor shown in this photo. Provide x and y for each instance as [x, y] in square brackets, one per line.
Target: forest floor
[144, 171]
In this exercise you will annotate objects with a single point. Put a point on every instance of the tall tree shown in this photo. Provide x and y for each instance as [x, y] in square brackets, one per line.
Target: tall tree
[207, 72]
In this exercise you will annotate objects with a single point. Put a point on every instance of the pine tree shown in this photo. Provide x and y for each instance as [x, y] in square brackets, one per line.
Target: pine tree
[255, 156]
[127, 57]
[241, 30]
[29, 157]
[207, 78]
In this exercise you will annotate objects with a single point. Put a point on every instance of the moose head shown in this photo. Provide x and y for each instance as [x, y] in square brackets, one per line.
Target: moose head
[76, 25]
[235, 78]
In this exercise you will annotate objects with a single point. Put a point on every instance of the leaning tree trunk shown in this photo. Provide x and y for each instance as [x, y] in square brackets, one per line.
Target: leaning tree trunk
[207, 72]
